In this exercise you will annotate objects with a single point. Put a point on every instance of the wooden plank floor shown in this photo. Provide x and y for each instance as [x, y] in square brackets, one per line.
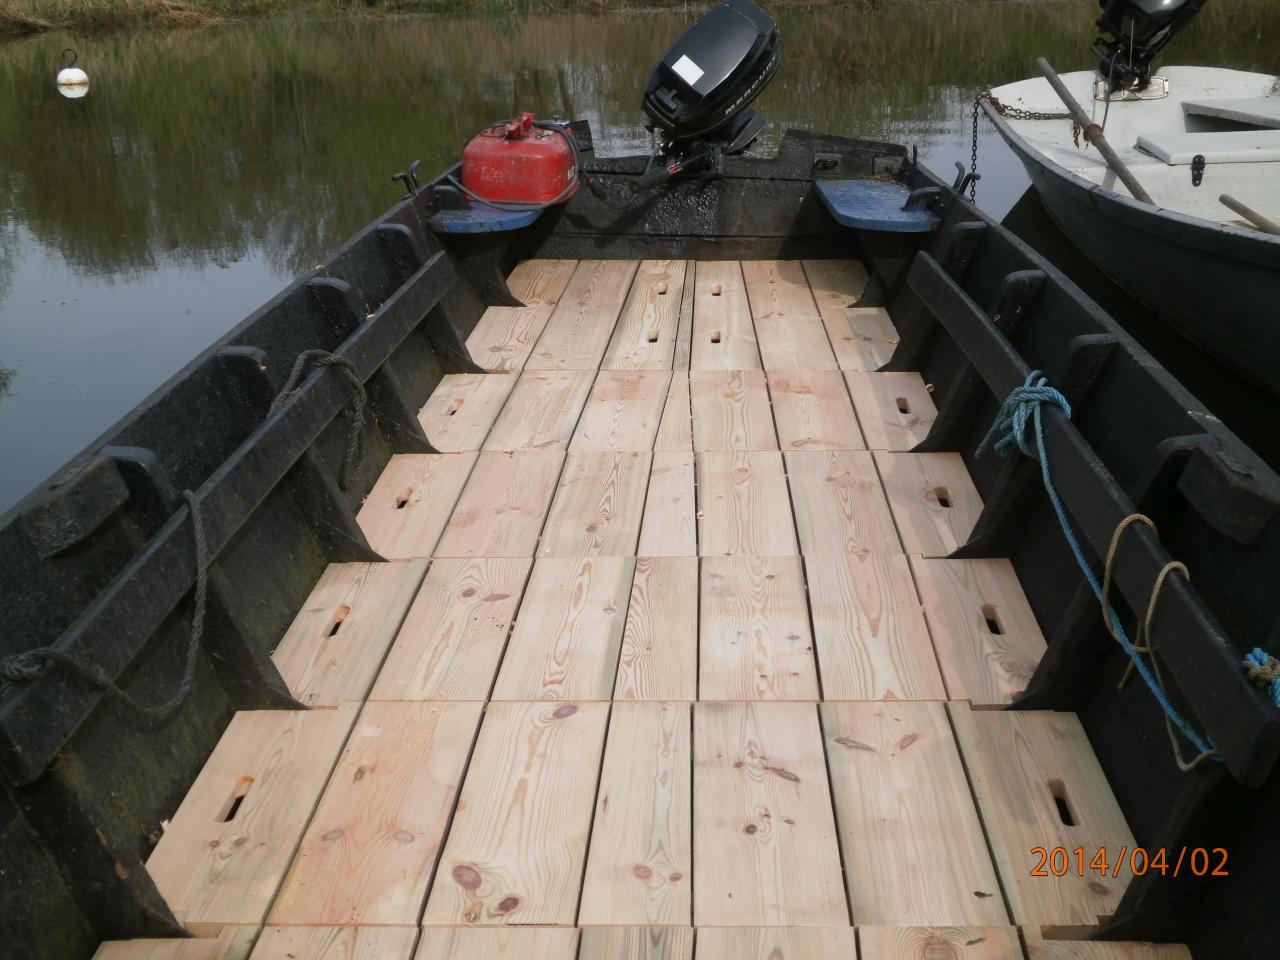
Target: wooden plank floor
[669, 660]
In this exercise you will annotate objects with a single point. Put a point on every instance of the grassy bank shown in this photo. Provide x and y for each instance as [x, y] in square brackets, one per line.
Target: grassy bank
[18, 17]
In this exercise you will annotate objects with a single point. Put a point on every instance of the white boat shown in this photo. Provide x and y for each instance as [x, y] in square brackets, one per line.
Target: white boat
[1189, 135]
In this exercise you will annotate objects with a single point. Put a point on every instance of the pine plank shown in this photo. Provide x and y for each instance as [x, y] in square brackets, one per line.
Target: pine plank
[332, 650]
[670, 527]
[501, 511]
[370, 850]
[913, 845]
[743, 505]
[515, 852]
[265, 774]
[675, 431]
[233, 943]
[754, 638]
[788, 327]
[813, 412]
[1039, 948]
[623, 411]
[863, 338]
[455, 632]
[638, 868]
[659, 658]
[895, 409]
[568, 635]
[867, 338]
[582, 323]
[336, 943]
[411, 501]
[766, 850]
[839, 504]
[637, 943]
[504, 336]
[917, 484]
[1018, 761]
[966, 602]
[682, 355]
[598, 506]
[647, 330]
[835, 284]
[928, 943]
[542, 411]
[731, 410]
[497, 943]
[776, 943]
[724, 336]
[458, 414]
[870, 634]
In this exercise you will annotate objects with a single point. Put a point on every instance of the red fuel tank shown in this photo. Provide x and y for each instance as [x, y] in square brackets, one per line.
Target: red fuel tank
[518, 162]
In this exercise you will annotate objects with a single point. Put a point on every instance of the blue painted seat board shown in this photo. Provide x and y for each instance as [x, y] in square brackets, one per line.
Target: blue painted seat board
[479, 218]
[875, 205]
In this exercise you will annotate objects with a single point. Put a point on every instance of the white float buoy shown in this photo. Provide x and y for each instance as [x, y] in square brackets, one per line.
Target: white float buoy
[73, 82]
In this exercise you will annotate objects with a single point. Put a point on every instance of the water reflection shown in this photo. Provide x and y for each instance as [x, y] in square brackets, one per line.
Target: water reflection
[206, 168]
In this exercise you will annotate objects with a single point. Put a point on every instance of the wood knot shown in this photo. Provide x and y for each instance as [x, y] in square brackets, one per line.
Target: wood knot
[506, 905]
[565, 711]
[468, 593]
[641, 872]
[851, 744]
[750, 829]
[404, 836]
[784, 774]
[676, 877]
[466, 876]
[333, 834]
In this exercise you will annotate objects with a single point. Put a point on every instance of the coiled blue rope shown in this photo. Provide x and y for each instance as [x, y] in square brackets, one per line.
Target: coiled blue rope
[1023, 408]
[1264, 670]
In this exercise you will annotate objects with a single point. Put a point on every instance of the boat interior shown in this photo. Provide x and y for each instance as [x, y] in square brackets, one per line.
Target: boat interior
[655, 601]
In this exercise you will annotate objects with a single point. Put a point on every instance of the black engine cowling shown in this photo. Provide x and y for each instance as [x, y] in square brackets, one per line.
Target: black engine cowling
[701, 89]
[1139, 30]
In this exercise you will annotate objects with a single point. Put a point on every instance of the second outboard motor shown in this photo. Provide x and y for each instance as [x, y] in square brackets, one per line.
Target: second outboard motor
[700, 92]
[1139, 30]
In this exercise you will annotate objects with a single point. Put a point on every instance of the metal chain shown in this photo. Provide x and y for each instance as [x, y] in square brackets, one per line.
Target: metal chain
[1017, 113]
[973, 159]
[1013, 113]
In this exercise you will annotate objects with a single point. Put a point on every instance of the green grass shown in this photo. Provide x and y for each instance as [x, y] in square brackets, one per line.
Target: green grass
[18, 17]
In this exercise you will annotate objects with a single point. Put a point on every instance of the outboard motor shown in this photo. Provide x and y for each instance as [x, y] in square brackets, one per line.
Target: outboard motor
[700, 92]
[1139, 30]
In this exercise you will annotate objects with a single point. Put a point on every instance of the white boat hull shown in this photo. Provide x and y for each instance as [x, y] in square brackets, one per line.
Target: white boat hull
[1218, 284]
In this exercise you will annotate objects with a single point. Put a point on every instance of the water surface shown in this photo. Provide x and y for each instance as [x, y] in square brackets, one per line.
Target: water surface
[208, 168]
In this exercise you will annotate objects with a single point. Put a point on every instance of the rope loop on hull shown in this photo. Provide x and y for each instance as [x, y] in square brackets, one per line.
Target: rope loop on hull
[1023, 408]
[27, 666]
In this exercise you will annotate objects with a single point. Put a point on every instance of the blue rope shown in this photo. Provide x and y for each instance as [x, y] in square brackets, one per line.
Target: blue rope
[1023, 407]
[1265, 671]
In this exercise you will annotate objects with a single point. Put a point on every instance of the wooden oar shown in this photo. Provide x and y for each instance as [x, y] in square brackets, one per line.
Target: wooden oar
[1253, 216]
[1093, 133]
